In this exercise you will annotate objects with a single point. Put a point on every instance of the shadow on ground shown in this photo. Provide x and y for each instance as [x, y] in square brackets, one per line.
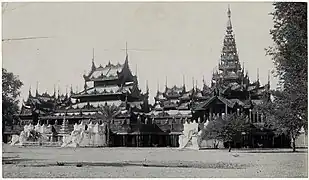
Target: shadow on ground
[219, 165]
[17, 160]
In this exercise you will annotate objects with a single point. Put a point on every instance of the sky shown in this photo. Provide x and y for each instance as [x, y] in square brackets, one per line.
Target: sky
[164, 39]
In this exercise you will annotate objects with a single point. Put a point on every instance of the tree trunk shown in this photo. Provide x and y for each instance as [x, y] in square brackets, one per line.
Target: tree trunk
[230, 147]
[108, 133]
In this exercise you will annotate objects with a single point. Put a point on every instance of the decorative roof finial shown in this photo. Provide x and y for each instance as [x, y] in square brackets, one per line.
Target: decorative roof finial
[158, 86]
[193, 82]
[85, 87]
[54, 90]
[93, 64]
[165, 81]
[30, 95]
[58, 92]
[183, 80]
[147, 88]
[203, 80]
[92, 54]
[71, 90]
[37, 88]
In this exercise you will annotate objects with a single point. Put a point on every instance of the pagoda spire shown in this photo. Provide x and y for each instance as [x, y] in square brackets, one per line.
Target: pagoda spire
[229, 62]
[166, 82]
[183, 80]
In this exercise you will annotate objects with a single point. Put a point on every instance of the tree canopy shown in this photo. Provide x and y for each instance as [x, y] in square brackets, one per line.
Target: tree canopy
[10, 91]
[288, 112]
[227, 128]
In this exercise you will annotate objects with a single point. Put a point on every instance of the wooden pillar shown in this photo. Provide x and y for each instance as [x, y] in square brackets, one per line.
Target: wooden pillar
[149, 140]
[136, 140]
[253, 117]
[123, 140]
[257, 117]
[250, 115]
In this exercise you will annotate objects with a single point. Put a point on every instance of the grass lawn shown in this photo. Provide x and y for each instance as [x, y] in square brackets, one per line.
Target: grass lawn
[48, 162]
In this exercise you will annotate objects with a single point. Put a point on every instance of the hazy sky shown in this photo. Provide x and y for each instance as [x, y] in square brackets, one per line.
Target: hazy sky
[175, 39]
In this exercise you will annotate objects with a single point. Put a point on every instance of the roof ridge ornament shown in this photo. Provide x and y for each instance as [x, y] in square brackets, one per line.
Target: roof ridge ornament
[93, 64]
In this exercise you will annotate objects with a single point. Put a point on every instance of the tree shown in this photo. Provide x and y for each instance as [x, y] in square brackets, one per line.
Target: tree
[108, 113]
[281, 117]
[10, 92]
[289, 54]
[228, 128]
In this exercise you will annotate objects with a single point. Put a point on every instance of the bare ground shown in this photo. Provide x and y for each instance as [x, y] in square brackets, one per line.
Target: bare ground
[31, 162]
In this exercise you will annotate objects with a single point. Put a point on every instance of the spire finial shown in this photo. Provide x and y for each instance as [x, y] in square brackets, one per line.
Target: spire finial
[229, 23]
[165, 81]
[258, 75]
[183, 80]
[229, 11]
[203, 80]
